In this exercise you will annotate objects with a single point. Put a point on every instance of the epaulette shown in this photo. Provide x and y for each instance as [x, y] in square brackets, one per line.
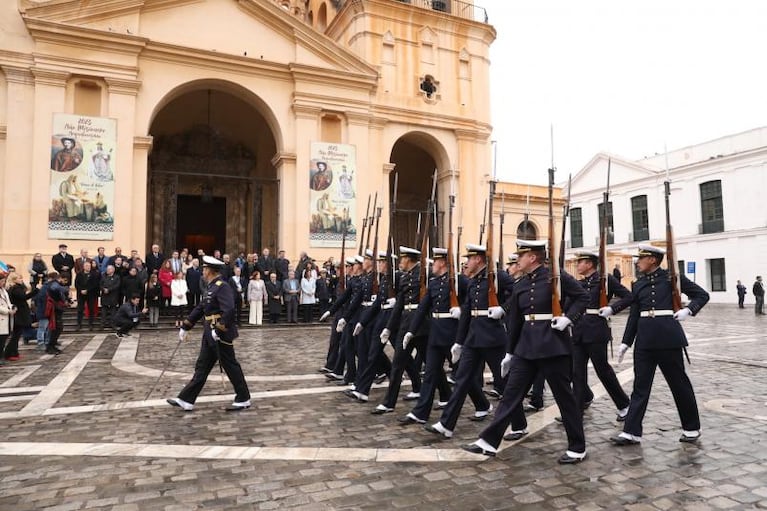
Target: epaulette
[218, 283]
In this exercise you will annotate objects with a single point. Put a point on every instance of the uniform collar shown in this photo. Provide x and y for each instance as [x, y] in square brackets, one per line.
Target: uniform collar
[654, 274]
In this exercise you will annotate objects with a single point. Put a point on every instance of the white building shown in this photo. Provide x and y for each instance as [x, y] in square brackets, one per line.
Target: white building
[718, 209]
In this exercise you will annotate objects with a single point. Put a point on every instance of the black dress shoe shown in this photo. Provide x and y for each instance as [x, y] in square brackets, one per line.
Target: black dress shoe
[567, 460]
[620, 418]
[475, 418]
[349, 393]
[381, 411]
[622, 441]
[689, 439]
[343, 383]
[407, 420]
[408, 397]
[493, 393]
[380, 379]
[528, 408]
[512, 437]
[325, 370]
[474, 448]
[558, 419]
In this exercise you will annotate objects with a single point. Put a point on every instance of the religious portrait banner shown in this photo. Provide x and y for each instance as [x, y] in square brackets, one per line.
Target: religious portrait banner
[82, 177]
[332, 195]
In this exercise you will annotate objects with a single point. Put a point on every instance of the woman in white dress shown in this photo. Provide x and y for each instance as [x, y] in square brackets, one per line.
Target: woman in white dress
[6, 315]
[256, 298]
[178, 290]
[308, 290]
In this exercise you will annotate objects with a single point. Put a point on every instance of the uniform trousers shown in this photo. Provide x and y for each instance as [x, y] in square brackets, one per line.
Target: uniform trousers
[333, 345]
[362, 348]
[403, 358]
[377, 361]
[597, 352]
[347, 354]
[556, 371]
[671, 365]
[206, 360]
[435, 379]
[469, 379]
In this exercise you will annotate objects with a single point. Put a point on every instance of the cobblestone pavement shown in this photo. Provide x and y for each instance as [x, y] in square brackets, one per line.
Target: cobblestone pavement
[79, 435]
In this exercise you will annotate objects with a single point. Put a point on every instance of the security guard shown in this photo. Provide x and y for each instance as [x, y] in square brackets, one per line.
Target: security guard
[219, 332]
[538, 342]
[592, 333]
[660, 341]
[480, 339]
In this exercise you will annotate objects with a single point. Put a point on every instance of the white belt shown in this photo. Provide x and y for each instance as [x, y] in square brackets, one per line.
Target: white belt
[441, 315]
[386, 306]
[592, 311]
[411, 306]
[538, 317]
[652, 313]
[367, 304]
[474, 313]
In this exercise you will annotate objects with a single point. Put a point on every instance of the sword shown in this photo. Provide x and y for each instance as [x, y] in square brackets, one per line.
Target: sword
[218, 355]
[167, 364]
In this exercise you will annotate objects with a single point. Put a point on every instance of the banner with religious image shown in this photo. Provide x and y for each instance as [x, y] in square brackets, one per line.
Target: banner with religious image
[332, 193]
[83, 152]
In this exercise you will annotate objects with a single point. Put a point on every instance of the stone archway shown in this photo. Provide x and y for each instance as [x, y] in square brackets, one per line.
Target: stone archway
[211, 180]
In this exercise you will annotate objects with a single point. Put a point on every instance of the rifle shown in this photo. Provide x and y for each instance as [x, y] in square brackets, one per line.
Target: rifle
[423, 277]
[492, 286]
[482, 225]
[556, 284]
[676, 296]
[342, 266]
[364, 225]
[451, 273]
[565, 214]
[457, 260]
[390, 249]
[500, 234]
[376, 278]
[603, 244]
[370, 224]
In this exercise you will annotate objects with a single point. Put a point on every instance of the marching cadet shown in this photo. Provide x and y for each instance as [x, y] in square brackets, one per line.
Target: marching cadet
[376, 315]
[219, 332]
[480, 339]
[360, 336]
[444, 322]
[660, 341]
[538, 342]
[398, 324]
[348, 306]
[334, 346]
[592, 333]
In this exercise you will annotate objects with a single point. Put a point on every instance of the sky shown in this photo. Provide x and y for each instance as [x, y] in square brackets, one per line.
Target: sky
[625, 77]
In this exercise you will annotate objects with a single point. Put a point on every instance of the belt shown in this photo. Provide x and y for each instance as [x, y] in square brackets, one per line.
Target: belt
[411, 306]
[367, 304]
[474, 313]
[592, 311]
[386, 306]
[212, 317]
[441, 315]
[652, 313]
[538, 317]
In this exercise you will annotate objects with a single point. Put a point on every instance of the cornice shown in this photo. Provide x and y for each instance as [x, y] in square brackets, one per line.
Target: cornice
[15, 58]
[342, 79]
[280, 159]
[306, 111]
[123, 86]
[77, 11]
[378, 123]
[432, 119]
[388, 168]
[84, 38]
[54, 77]
[143, 143]
[21, 75]
[358, 118]
[84, 67]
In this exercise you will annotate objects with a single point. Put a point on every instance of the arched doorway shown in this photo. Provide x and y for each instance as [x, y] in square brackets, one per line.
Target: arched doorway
[414, 163]
[211, 182]
[526, 230]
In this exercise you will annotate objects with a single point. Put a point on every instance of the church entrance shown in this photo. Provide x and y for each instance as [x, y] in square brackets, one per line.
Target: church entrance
[212, 184]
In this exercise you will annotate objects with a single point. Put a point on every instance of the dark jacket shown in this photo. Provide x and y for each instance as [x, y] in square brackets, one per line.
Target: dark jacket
[592, 328]
[274, 295]
[407, 285]
[127, 314]
[481, 331]
[153, 294]
[59, 262]
[218, 300]
[110, 290]
[758, 289]
[193, 276]
[287, 296]
[153, 263]
[19, 296]
[322, 293]
[88, 282]
[131, 285]
[442, 331]
[281, 268]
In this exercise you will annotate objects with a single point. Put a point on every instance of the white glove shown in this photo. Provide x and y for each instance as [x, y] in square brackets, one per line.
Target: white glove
[496, 312]
[622, 352]
[385, 334]
[406, 340]
[391, 301]
[182, 334]
[455, 352]
[506, 364]
[560, 323]
[214, 334]
[324, 316]
[606, 312]
[682, 314]
[341, 325]
[357, 329]
[455, 312]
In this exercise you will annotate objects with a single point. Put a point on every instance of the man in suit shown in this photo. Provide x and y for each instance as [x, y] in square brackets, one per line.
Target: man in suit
[110, 295]
[64, 263]
[660, 341]
[274, 297]
[80, 261]
[290, 290]
[117, 255]
[101, 260]
[281, 266]
[176, 263]
[193, 276]
[154, 259]
[128, 316]
[538, 341]
[266, 263]
[758, 291]
[741, 289]
[87, 284]
[237, 285]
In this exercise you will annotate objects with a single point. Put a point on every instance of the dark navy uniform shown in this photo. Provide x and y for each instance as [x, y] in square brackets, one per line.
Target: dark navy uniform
[361, 341]
[659, 342]
[590, 337]
[537, 347]
[334, 343]
[483, 341]
[342, 308]
[216, 310]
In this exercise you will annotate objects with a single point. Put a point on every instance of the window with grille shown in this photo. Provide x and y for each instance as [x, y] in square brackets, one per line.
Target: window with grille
[610, 232]
[576, 228]
[640, 218]
[716, 275]
[712, 211]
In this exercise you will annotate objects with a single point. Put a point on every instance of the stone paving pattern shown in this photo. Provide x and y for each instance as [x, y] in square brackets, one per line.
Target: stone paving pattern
[728, 470]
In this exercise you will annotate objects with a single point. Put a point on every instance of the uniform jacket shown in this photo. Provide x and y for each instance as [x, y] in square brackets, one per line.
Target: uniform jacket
[360, 294]
[218, 300]
[481, 331]
[532, 295]
[442, 331]
[342, 302]
[592, 328]
[370, 314]
[408, 285]
[653, 291]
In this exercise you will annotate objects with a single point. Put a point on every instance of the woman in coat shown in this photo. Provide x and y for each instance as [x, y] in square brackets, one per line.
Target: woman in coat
[6, 315]
[165, 276]
[153, 299]
[19, 293]
[178, 301]
[256, 298]
[308, 290]
[274, 297]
